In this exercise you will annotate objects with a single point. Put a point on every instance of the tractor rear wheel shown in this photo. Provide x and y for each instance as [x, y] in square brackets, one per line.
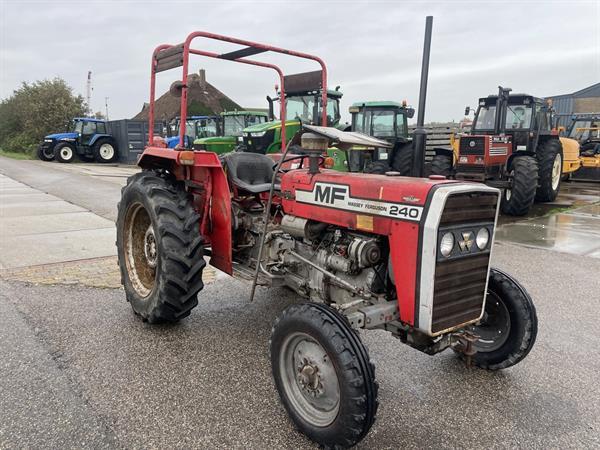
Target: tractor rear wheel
[105, 151]
[45, 153]
[323, 375]
[159, 247]
[403, 159]
[518, 199]
[509, 326]
[550, 161]
[64, 152]
[441, 165]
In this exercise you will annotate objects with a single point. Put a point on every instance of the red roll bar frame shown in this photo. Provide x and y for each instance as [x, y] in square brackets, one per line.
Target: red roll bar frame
[252, 48]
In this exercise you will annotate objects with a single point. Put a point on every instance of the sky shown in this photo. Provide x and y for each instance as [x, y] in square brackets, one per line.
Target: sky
[372, 49]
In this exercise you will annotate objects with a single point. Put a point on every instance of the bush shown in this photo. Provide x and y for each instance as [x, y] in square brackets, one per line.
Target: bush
[36, 110]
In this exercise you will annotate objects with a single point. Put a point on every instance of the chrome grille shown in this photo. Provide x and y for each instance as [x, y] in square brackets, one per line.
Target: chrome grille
[459, 284]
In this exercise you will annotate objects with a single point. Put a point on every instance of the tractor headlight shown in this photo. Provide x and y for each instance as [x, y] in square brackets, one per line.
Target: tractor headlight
[259, 134]
[240, 139]
[447, 244]
[482, 239]
[47, 140]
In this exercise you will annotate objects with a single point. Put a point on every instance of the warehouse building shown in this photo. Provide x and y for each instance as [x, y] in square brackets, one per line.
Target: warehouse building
[584, 101]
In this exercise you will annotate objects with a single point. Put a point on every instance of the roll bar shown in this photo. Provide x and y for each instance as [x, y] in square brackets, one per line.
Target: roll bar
[166, 57]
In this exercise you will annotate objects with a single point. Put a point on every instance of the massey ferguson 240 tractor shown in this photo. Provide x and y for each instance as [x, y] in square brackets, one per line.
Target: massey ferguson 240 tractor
[362, 251]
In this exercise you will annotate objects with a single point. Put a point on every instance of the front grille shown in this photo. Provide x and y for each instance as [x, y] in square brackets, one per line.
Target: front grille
[459, 283]
[472, 146]
[459, 291]
[470, 207]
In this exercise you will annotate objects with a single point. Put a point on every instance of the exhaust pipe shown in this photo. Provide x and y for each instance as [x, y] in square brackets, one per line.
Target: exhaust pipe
[420, 135]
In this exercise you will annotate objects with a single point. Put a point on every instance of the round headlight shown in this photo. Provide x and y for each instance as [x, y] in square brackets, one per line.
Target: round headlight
[447, 244]
[482, 239]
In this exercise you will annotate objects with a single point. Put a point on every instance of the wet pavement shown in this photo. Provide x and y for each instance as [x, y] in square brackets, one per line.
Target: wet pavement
[571, 224]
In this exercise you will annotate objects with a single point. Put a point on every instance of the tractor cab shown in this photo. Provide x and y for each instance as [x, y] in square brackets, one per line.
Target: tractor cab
[195, 127]
[585, 129]
[385, 120]
[302, 106]
[233, 124]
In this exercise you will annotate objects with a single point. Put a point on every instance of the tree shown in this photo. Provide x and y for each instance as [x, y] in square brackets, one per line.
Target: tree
[36, 110]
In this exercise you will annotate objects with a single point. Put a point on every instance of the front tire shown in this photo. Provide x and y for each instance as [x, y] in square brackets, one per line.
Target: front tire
[508, 330]
[45, 153]
[518, 199]
[105, 151]
[550, 162]
[159, 247]
[323, 375]
[64, 152]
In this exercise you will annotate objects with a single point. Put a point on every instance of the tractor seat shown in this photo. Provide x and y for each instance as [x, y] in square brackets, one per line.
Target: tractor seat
[251, 172]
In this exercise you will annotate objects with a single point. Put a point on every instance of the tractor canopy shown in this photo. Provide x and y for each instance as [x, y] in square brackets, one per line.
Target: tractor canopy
[514, 112]
[382, 119]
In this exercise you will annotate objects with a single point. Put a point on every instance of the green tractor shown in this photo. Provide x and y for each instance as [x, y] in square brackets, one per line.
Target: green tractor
[385, 120]
[302, 107]
[232, 124]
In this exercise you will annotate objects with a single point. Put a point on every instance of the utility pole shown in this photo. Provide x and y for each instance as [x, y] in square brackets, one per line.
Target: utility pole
[106, 106]
[89, 93]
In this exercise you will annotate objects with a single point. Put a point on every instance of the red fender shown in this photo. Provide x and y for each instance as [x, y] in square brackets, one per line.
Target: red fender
[206, 181]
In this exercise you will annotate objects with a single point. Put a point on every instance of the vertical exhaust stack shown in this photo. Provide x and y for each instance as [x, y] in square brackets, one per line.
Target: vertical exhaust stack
[420, 135]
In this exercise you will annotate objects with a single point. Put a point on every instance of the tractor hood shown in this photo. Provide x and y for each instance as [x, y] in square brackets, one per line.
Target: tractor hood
[59, 136]
[258, 128]
[215, 140]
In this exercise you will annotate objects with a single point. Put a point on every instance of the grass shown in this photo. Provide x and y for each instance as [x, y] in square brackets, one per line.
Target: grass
[15, 155]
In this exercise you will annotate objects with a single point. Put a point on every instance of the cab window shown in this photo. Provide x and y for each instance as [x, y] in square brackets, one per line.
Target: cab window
[101, 128]
[89, 128]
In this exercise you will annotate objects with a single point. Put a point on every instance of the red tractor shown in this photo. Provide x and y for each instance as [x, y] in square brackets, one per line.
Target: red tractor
[363, 251]
[511, 146]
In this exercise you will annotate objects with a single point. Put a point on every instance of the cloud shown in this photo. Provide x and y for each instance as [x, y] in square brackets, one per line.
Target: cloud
[372, 49]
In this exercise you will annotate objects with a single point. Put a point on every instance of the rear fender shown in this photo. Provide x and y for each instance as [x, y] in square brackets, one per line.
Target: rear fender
[206, 181]
[99, 136]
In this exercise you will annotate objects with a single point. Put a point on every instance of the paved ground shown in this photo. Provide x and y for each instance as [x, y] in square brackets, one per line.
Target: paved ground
[79, 370]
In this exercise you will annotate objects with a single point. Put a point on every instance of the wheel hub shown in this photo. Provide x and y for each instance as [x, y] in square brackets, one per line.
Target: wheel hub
[150, 247]
[309, 379]
[556, 171]
[106, 151]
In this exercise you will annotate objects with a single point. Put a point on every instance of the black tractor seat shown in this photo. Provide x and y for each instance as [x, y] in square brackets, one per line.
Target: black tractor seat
[250, 172]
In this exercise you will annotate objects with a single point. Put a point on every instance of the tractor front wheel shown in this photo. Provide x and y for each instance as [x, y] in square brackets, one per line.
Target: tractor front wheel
[105, 151]
[518, 199]
[323, 375]
[45, 153]
[64, 152]
[159, 247]
[508, 329]
[550, 161]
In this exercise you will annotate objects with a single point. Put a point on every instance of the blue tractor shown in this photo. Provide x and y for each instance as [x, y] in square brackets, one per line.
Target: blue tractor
[196, 127]
[88, 139]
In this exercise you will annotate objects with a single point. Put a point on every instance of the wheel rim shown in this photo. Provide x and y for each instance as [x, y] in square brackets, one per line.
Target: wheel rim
[508, 191]
[556, 171]
[309, 379]
[494, 328]
[106, 151]
[141, 255]
[48, 153]
[66, 153]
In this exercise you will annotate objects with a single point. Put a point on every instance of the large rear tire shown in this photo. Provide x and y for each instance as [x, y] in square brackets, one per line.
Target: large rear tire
[550, 161]
[159, 247]
[508, 330]
[518, 199]
[403, 159]
[105, 150]
[323, 375]
[441, 165]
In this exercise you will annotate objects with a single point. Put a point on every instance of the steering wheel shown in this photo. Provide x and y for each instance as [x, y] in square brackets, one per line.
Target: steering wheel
[300, 157]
